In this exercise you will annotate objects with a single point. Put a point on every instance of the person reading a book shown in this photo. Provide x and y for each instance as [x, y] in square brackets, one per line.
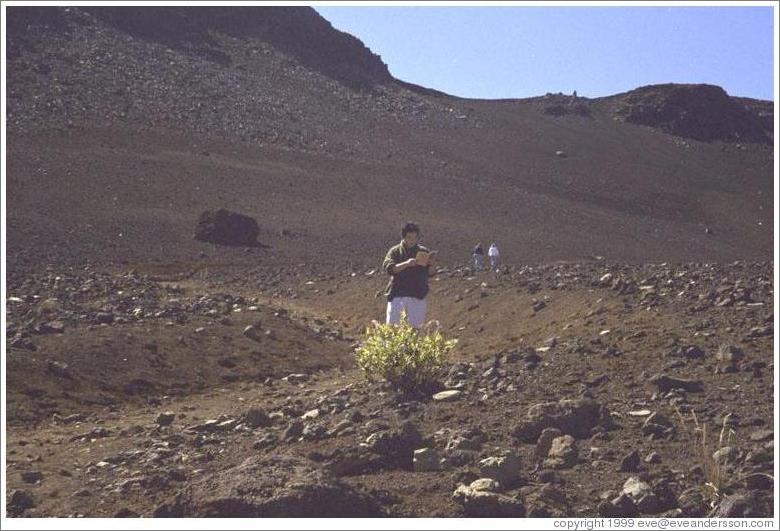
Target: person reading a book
[409, 265]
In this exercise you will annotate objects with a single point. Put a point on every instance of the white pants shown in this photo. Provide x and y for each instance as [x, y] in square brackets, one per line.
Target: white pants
[415, 310]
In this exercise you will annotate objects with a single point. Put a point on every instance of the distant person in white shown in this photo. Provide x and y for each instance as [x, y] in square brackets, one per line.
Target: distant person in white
[494, 255]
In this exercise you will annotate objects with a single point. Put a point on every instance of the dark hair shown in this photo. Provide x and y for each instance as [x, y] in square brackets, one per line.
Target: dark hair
[410, 227]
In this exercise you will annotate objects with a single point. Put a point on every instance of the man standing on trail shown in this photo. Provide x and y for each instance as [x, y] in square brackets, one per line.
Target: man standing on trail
[409, 266]
[494, 255]
[477, 254]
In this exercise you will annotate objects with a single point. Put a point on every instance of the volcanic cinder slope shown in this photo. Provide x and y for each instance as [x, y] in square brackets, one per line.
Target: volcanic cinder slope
[124, 124]
[636, 230]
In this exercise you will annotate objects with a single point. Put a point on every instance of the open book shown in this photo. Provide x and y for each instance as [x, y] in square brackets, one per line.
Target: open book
[423, 258]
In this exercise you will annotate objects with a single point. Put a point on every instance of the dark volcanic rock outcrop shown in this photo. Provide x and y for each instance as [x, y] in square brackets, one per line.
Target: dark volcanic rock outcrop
[224, 227]
[701, 112]
[271, 487]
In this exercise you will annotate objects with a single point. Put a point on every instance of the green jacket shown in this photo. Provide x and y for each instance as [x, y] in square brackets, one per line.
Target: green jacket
[412, 281]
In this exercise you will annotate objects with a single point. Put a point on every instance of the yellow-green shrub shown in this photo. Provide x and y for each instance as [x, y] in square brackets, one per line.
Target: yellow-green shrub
[407, 358]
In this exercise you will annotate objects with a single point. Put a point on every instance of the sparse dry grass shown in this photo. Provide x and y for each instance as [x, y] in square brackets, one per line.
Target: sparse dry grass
[706, 449]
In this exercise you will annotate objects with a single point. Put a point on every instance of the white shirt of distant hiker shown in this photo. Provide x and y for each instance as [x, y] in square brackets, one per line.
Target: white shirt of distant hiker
[409, 266]
[494, 255]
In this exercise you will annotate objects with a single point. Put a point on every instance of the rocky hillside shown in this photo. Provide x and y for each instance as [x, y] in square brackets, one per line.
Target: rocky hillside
[164, 113]
[280, 76]
[701, 112]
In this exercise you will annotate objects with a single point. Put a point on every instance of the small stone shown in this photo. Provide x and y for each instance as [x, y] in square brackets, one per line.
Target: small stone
[267, 440]
[657, 425]
[256, 417]
[52, 327]
[58, 368]
[32, 476]
[294, 430]
[762, 435]
[450, 395]
[630, 463]
[104, 318]
[729, 356]
[311, 415]
[504, 469]
[165, 419]
[563, 452]
[621, 507]
[653, 457]
[648, 504]
[758, 481]
[666, 383]
[19, 501]
[296, 378]
[484, 504]
[426, 460]
[485, 485]
[636, 488]
[314, 432]
[544, 441]
[227, 425]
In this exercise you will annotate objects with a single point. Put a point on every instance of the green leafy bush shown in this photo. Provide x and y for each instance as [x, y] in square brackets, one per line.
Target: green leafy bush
[407, 358]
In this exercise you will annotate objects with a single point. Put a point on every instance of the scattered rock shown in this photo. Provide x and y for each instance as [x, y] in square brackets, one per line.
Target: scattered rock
[621, 507]
[485, 504]
[449, 395]
[250, 331]
[576, 417]
[294, 430]
[104, 318]
[630, 463]
[396, 447]
[271, 487]
[729, 357]
[742, 505]
[296, 378]
[426, 460]
[32, 476]
[666, 383]
[256, 417]
[562, 454]
[165, 418]
[758, 481]
[544, 442]
[762, 435]
[658, 426]
[266, 441]
[692, 503]
[505, 469]
[52, 327]
[19, 501]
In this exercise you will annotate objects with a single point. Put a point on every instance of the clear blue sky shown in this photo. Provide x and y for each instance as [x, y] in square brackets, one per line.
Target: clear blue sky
[515, 51]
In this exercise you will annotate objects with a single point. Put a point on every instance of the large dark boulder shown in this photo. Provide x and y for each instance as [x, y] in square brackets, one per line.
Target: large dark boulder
[575, 417]
[224, 227]
[271, 487]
